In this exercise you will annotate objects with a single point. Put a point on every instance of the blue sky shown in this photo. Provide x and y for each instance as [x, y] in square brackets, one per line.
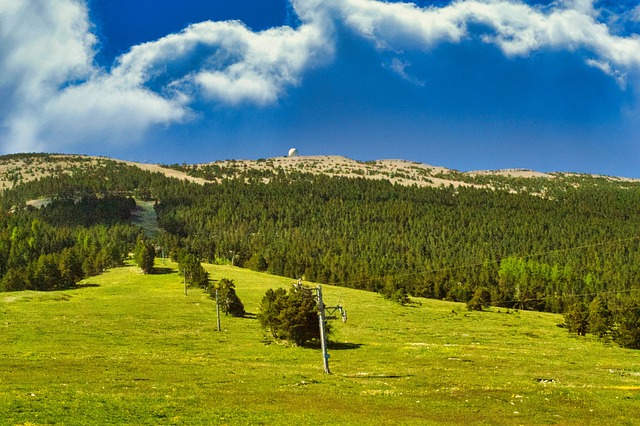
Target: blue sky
[481, 84]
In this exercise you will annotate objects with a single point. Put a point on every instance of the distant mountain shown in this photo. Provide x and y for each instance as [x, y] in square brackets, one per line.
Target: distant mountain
[22, 168]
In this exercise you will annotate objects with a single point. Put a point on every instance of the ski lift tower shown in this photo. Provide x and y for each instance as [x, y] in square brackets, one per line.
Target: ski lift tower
[322, 319]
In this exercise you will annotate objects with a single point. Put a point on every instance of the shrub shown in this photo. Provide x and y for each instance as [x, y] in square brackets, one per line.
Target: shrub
[291, 316]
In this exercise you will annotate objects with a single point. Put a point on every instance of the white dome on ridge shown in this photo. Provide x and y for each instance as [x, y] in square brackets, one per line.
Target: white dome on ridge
[293, 152]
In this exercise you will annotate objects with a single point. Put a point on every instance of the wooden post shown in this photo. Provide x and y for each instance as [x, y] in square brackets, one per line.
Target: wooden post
[323, 333]
[217, 310]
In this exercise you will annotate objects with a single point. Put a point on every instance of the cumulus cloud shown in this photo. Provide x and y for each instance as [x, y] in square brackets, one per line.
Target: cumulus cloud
[59, 97]
[43, 44]
[515, 27]
[227, 61]
[55, 94]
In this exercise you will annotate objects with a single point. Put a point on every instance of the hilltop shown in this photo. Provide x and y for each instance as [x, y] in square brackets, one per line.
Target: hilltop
[22, 168]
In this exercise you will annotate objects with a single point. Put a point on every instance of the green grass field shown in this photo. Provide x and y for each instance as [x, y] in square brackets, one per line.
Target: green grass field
[125, 348]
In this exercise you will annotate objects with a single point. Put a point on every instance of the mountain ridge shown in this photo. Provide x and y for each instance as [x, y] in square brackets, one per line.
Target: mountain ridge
[22, 168]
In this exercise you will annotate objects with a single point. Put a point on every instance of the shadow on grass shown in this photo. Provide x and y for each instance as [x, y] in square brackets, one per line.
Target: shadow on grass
[163, 271]
[87, 285]
[341, 346]
[378, 376]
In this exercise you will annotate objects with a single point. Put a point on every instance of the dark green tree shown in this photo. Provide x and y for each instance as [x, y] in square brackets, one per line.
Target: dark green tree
[228, 299]
[395, 291]
[256, 262]
[626, 324]
[70, 267]
[600, 318]
[576, 318]
[291, 316]
[46, 276]
[144, 255]
[192, 269]
[15, 279]
[273, 302]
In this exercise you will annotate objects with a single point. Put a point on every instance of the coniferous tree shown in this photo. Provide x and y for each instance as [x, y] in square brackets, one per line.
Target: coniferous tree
[626, 324]
[228, 299]
[192, 270]
[577, 318]
[481, 299]
[291, 316]
[144, 255]
[600, 319]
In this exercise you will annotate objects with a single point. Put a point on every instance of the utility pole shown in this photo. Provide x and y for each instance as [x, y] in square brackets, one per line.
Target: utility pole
[217, 310]
[323, 333]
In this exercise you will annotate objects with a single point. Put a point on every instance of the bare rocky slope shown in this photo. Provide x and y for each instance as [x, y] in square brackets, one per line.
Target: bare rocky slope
[20, 168]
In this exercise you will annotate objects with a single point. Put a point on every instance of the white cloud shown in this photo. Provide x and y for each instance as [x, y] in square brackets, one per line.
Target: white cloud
[392, 24]
[606, 68]
[102, 106]
[583, 6]
[61, 98]
[399, 67]
[515, 27]
[43, 44]
[233, 64]
[56, 96]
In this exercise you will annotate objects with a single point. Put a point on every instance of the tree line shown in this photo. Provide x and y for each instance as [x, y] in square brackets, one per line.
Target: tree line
[54, 247]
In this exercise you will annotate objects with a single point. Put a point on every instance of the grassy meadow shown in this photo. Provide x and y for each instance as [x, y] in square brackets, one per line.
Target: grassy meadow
[125, 348]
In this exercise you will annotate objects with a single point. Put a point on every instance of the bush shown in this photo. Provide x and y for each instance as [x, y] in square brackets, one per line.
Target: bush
[291, 316]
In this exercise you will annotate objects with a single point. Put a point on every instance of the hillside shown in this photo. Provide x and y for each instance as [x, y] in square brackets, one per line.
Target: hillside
[125, 348]
[22, 168]
[556, 242]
